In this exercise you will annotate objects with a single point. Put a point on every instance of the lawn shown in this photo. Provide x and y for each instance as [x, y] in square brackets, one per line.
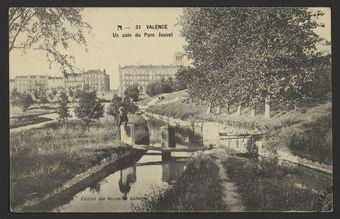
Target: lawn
[45, 158]
[305, 131]
[27, 120]
[34, 110]
[266, 186]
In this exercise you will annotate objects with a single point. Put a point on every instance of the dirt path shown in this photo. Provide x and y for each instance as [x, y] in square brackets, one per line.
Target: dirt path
[52, 116]
[231, 197]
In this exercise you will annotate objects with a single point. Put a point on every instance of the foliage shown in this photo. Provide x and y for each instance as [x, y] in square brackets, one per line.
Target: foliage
[162, 86]
[197, 189]
[266, 186]
[22, 100]
[89, 108]
[132, 92]
[62, 111]
[41, 95]
[118, 102]
[14, 98]
[50, 30]
[51, 96]
[66, 151]
[245, 55]
[86, 87]
[70, 93]
[313, 141]
[183, 77]
[54, 92]
[77, 93]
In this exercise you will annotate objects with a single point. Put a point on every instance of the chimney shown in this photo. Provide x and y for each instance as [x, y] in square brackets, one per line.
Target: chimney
[104, 71]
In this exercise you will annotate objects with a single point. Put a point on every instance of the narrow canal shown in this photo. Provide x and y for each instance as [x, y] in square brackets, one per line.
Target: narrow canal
[120, 190]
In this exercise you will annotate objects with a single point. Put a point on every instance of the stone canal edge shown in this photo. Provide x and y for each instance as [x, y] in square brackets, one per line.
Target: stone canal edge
[79, 181]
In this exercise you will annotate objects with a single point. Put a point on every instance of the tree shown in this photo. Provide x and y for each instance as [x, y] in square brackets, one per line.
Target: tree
[70, 93]
[118, 102]
[86, 87]
[89, 108]
[54, 92]
[50, 30]
[62, 111]
[183, 77]
[14, 98]
[24, 101]
[250, 55]
[78, 93]
[162, 86]
[132, 92]
[153, 89]
[42, 96]
[51, 96]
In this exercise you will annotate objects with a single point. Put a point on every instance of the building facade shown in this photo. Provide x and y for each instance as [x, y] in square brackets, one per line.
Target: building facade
[74, 81]
[145, 74]
[97, 80]
[30, 83]
[55, 83]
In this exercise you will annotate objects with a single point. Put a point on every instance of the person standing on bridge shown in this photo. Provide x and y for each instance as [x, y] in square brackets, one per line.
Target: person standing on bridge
[122, 119]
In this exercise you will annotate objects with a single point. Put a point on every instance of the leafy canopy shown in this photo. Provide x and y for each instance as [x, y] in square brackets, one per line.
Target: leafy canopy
[50, 30]
[244, 55]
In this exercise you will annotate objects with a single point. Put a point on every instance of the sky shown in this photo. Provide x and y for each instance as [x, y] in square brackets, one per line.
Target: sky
[108, 52]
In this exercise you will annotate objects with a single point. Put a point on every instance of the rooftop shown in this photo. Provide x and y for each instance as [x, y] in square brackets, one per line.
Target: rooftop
[149, 66]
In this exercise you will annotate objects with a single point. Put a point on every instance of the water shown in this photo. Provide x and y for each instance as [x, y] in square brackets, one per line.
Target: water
[119, 190]
[122, 189]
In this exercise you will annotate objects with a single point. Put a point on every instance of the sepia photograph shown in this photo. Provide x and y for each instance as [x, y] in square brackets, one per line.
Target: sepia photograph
[170, 109]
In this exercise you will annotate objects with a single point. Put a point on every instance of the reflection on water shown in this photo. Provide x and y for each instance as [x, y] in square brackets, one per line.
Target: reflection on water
[118, 191]
[127, 177]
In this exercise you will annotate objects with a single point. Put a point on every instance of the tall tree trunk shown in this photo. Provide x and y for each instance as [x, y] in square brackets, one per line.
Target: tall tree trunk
[295, 106]
[253, 111]
[227, 107]
[267, 113]
[238, 112]
[218, 108]
[209, 108]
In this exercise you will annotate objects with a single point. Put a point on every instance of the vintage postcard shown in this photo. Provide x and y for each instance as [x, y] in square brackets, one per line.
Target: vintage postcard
[151, 109]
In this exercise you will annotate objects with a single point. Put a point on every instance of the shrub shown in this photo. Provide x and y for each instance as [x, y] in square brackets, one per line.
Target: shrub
[265, 186]
[118, 102]
[89, 108]
[22, 100]
[62, 111]
[313, 141]
[132, 92]
[197, 189]
[162, 86]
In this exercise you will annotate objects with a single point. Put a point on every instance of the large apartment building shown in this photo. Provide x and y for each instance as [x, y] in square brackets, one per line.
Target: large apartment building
[29, 83]
[95, 79]
[145, 74]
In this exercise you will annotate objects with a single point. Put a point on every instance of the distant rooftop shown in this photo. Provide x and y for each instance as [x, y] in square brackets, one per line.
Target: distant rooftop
[148, 66]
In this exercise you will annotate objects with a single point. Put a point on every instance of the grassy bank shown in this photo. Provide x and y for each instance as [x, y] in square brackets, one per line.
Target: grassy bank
[34, 110]
[305, 131]
[43, 159]
[28, 120]
[266, 186]
[198, 189]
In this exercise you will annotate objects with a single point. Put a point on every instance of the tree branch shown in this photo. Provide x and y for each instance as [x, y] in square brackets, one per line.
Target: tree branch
[25, 19]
